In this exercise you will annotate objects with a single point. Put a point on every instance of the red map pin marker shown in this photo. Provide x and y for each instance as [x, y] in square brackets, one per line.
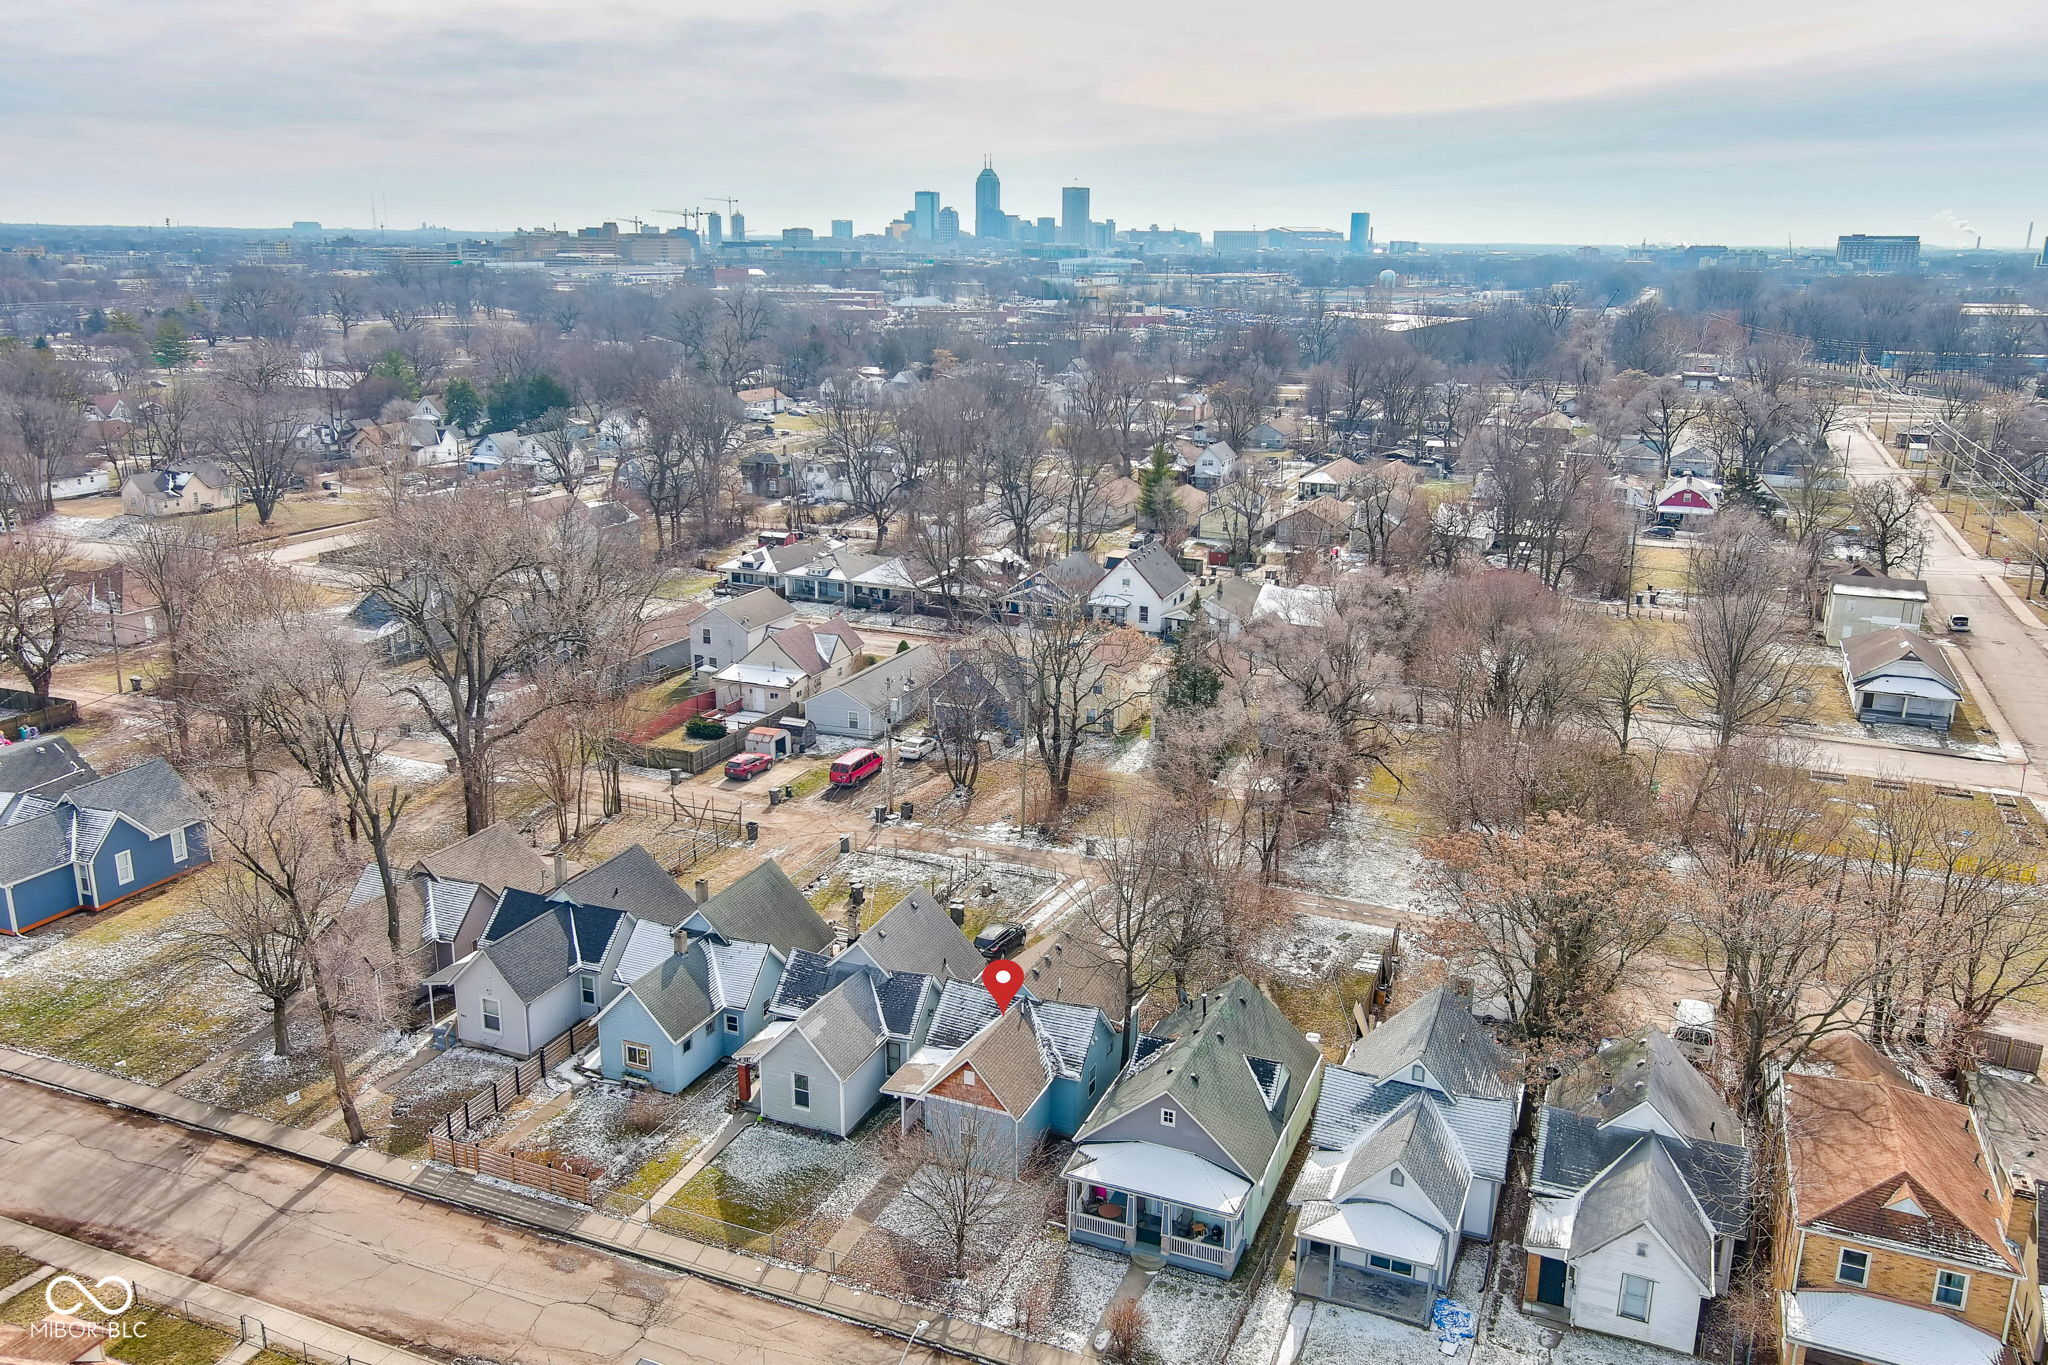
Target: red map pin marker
[1003, 978]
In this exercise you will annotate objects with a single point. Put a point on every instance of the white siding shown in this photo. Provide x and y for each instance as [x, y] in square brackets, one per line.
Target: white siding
[1674, 1302]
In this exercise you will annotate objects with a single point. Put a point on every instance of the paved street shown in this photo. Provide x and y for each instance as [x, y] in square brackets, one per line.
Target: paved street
[359, 1255]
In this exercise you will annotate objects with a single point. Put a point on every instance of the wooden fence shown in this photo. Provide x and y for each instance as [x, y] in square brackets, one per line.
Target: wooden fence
[457, 1124]
[514, 1167]
[2014, 1054]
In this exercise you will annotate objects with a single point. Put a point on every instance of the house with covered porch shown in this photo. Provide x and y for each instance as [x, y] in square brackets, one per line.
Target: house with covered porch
[1180, 1160]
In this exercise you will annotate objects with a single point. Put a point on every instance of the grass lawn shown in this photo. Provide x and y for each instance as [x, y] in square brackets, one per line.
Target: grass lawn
[814, 780]
[643, 1183]
[14, 1265]
[151, 1336]
[1666, 567]
[830, 899]
[293, 515]
[685, 587]
[112, 995]
[767, 1180]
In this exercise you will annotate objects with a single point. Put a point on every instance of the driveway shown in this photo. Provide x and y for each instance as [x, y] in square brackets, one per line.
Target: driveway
[365, 1257]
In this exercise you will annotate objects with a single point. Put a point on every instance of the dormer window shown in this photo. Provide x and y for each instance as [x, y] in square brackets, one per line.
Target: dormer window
[1417, 1074]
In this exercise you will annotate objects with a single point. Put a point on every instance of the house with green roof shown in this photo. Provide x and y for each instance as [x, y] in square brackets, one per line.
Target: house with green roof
[1183, 1155]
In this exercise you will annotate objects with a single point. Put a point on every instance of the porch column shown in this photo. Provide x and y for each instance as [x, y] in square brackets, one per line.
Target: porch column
[1330, 1272]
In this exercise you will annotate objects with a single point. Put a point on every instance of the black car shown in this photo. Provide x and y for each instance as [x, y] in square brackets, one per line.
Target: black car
[1661, 533]
[999, 940]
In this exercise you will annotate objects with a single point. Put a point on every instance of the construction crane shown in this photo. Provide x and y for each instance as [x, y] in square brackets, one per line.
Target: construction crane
[732, 205]
[693, 217]
[637, 223]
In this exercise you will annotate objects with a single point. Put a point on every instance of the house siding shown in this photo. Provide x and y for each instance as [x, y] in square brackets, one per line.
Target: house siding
[1071, 1100]
[1674, 1300]
[1906, 1279]
[152, 858]
[672, 1069]
[480, 979]
[42, 898]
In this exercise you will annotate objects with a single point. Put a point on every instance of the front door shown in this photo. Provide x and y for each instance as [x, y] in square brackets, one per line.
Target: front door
[1550, 1281]
[1150, 1213]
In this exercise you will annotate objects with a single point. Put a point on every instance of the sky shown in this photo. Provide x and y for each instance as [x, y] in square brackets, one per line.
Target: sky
[1745, 122]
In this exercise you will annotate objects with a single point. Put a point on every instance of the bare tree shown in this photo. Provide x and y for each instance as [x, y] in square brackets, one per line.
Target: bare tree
[1889, 516]
[1061, 667]
[960, 1186]
[1739, 628]
[41, 611]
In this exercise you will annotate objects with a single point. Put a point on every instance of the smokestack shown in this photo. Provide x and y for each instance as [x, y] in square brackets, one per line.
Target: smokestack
[703, 890]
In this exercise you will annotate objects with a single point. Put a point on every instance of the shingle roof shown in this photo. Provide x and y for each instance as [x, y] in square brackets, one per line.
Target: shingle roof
[645, 949]
[1573, 1149]
[1008, 1061]
[442, 907]
[902, 995]
[536, 957]
[965, 1008]
[1072, 970]
[496, 856]
[752, 610]
[1351, 1103]
[631, 880]
[677, 994]
[29, 848]
[1879, 651]
[1649, 1069]
[1437, 1032]
[806, 976]
[1204, 1072]
[845, 1026]
[915, 935]
[880, 682]
[46, 767]
[765, 906]
[1414, 1138]
[1160, 570]
[515, 908]
[1645, 1187]
[150, 793]
[735, 970]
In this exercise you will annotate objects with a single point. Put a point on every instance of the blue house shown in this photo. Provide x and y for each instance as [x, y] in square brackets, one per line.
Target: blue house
[95, 843]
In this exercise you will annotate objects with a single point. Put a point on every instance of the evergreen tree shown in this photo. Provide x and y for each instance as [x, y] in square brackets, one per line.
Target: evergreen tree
[1155, 488]
[464, 406]
[1192, 677]
[95, 322]
[521, 400]
[170, 349]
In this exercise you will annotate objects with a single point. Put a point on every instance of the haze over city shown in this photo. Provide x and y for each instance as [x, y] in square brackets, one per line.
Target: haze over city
[1477, 121]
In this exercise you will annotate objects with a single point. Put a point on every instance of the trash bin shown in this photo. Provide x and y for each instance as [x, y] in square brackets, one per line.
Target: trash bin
[906, 809]
[753, 831]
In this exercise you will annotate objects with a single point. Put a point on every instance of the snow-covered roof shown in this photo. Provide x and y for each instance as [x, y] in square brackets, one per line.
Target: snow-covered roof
[1884, 1333]
[1379, 1228]
[1160, 1172]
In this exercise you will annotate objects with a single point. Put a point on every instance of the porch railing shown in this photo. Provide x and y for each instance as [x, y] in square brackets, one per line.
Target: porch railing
[1102, 1227]
[1207, 1252]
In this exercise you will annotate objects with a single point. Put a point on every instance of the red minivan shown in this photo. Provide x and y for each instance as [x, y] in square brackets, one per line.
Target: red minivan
[855, 766]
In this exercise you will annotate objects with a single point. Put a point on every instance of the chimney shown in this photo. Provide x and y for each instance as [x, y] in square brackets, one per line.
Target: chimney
[679, 938]
[561, 868]
[852, 930]
[703, 892]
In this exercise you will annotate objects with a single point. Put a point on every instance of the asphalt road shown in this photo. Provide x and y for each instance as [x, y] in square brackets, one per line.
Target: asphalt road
[358, 1255]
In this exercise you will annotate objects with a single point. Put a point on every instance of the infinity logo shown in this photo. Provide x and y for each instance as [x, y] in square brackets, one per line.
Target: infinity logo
[86, 1295]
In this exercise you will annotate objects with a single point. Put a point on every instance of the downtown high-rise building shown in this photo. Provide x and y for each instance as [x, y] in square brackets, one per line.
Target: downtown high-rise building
[1074, 215]
[1360, 243]
[990, 222]
[739, 226]
[949, 224]
[714, 228]
[924, 214]
[842, 229]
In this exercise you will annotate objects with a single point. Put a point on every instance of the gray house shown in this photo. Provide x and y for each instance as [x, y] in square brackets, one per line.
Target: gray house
[1183, 1155]
[1639, 1194]
[865, 705]
[729, 631]
[539, 968]
[452, 893]
[1900, 677]
[1408, 1155]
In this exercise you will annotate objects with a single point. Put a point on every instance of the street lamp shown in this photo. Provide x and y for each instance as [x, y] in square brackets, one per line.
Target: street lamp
[922, 1323]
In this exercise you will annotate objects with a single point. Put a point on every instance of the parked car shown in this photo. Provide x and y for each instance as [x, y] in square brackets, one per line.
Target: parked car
[913, 747]
[748, 765]
[999, 940]
[854, 767]
[1661, 533]
[1959, 625]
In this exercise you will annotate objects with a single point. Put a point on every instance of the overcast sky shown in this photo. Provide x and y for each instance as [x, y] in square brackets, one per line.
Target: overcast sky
[1745, 121]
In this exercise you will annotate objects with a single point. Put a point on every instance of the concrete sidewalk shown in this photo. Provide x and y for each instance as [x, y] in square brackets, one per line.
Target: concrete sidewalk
[798, 1286]
[203, 1302]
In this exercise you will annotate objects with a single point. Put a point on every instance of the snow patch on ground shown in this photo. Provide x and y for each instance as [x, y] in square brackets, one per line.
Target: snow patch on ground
[1309, 946]
[1188, 1315]
[1364, 858]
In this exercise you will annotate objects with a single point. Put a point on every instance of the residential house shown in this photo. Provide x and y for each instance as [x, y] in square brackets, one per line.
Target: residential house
[1900, 1238]
[820, 571]
[68, 844]
[668, 644]
[730, 630]
[791, 663]
[762, 403]
[842, 1026]
[1320, 524]
[1277, 434]
[633, 881]
[1408, 1154]
[541, 965]
[452, 893]
[1639, 1195]
[1185, 1152]
[1044, 593]
[182, 486]
[1205, 464]
[1687, 501]
[1001, 1081]
[1901, 677]
[882, 695]
[694, 994]
[1863, 600]
[1332, 480]
[121, 609]
[1146, 589]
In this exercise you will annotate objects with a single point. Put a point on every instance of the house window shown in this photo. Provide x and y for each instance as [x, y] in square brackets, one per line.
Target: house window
[1397, 1177]
[1853, 1267]
[639, 1056]
[124, 867]
[800, 1090]
[707, 636]
[853, 720]
[492, 1021]
[709, 1024]
[1391, 1266]
[1416, 1074]
[1635, 1298]
[587, 985]
[178, 846]
[1144, 614]
[1951, 1288]
[732, 1023]
[1166, 1118]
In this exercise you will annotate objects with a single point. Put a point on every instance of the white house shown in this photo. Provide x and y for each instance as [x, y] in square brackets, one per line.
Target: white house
[726, 633]
[1864, 600]
[884, 694]
[790, 663]
[1901, 677]
[1147, 589]
[1639, 1193]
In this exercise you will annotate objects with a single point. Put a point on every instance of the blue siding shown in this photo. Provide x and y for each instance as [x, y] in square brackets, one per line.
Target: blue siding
[43, 897]
[673, 1067]
[1070, 1100]
[152, 858]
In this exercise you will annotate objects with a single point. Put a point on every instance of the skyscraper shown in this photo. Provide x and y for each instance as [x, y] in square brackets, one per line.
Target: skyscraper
[714, 228]
[949, 224]
[739, 226]
[1361, 234]
[1074, 215]
[990, 222]
[924, 214]
[842, 229]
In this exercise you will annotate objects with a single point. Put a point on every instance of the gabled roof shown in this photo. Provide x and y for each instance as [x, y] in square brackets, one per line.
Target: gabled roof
[46, 767]
[1649, 1069]
[1438, 1033]
[1853, 1140]
[1352, 1103]
[34, 846]
[515, 909]
[1338, 471]
[1414, 1138]
[151, 794]
[1645, 1189]
[676, 994]
[765, 906]
[915, 935]
[845, 1027]
[541, 953]
[1008, 1062]
[1161, 571]
[1204, 1074]
[496, 856]
[1573, 1149]
[965, 1008]
[631, 880]
[1071, 970]
[880, 683]
[1864, 581]
[1879, 652]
